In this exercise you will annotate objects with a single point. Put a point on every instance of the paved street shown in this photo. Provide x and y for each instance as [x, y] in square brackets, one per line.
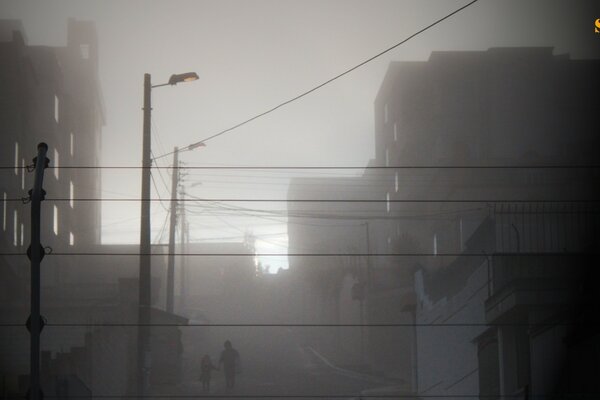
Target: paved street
[273, 361]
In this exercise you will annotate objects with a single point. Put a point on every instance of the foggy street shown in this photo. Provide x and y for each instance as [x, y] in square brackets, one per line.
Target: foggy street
[299, 199]
[274, 362]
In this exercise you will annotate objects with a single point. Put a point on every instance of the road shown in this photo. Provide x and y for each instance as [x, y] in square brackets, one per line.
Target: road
[274, 362]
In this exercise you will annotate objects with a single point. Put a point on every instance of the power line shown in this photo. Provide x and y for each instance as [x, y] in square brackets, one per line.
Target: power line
[227, 200]
[254, 212]
[159, 236]
[332, 396]
[161, 176]
[327, 82]
[232, 167]
[304, 325]
[436, 255]
[157, 193]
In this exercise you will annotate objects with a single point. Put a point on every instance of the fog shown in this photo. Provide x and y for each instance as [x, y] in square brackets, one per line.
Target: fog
[422, 225]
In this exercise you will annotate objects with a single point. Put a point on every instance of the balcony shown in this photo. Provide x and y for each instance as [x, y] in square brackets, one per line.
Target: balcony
[524, 280]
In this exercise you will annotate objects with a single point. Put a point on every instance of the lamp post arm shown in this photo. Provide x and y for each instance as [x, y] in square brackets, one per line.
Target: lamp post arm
[159, 85]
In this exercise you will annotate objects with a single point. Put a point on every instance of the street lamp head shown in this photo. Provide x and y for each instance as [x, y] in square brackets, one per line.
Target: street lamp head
[185, 77]
[195, 145]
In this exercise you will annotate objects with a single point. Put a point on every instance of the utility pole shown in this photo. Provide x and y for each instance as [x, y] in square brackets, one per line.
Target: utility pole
[143, 349]
[35, 252]
[172, 226]
[144, 361]
[184, 235]
[367, 293]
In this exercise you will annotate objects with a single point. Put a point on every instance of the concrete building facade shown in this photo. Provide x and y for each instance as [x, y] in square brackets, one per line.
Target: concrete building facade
[51, 95]
[493, 297]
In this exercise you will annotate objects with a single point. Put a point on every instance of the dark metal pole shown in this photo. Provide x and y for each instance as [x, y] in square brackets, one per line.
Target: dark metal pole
[35, 253]
[143, 359]
[369, 277]
[172, 225]
[369, 286]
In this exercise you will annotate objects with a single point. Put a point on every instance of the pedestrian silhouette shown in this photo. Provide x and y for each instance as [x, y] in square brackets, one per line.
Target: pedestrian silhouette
[229, 358]
[206, 368]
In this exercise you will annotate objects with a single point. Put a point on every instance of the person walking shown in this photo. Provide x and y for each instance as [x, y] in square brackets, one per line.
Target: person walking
[206, 367]
[230, 358]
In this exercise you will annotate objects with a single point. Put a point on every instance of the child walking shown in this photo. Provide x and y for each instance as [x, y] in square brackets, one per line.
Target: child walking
[206, 368]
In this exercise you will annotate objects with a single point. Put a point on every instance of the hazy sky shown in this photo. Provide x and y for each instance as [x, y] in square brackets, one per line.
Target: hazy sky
[251, 55]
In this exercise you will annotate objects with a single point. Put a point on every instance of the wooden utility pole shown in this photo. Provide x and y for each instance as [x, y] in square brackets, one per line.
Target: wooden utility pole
[143, 349]
[172, 226]
[184, 237]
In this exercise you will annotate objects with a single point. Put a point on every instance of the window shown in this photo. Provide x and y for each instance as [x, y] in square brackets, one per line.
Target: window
[435, 244]
[71, 239]
[84, 50]
[396, 181]
[387, 201]
[22, 234]
[56, 105]
[55, 220]
[4, 212]
[385, 114]
[15, 227]
[395, 132]
[56, 163]
[71, 144]
[71, 193]
[23, 174]
[16, 158]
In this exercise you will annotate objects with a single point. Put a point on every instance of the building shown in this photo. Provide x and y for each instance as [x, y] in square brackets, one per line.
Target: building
[333, 268]
[52, 95]
[218, 282]
[498, 302]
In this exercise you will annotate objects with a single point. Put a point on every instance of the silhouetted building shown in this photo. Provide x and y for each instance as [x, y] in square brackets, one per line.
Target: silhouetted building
[218, 283]
[330, 240]
[51, 94]
[492, 261]
[48, 94]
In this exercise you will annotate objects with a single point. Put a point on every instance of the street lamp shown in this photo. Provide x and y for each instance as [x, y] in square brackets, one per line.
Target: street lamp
[186, 77]
[143, 359]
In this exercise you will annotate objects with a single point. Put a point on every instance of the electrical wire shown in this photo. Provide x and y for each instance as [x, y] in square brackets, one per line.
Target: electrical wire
[159, 236]
[306, 325]
[242, 200]
[311, 214]
[164, 182]
[366, 167]
[327, 82]
[160, 200]
[566, 395]
[432, 255]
